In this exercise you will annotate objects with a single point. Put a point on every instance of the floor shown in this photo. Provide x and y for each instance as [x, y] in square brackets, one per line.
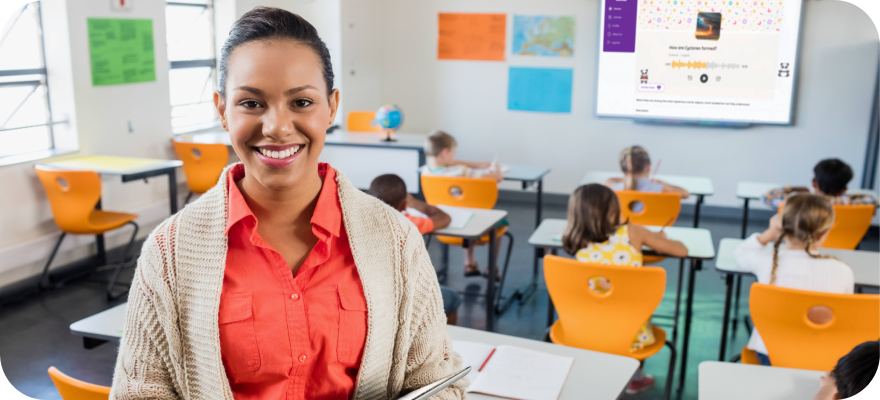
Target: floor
[34, 332]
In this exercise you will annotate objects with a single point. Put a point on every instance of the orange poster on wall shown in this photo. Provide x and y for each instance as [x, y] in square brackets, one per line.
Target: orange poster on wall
[471, 37]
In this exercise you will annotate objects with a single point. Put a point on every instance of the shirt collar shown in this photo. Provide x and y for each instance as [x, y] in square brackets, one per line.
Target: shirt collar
[328, 210]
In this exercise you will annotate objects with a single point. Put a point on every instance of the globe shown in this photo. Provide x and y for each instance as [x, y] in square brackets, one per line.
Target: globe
[389, 117]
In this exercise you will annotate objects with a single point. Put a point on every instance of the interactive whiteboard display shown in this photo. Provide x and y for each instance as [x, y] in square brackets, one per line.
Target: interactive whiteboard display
[727, 61]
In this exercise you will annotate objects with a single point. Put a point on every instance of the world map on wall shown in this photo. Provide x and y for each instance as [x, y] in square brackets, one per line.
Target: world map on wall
[543, 36]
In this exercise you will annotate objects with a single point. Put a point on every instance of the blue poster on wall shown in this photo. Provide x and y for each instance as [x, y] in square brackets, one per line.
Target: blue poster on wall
[539, 89]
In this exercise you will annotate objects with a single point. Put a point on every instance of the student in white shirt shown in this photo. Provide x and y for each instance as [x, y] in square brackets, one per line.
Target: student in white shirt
[803, 225]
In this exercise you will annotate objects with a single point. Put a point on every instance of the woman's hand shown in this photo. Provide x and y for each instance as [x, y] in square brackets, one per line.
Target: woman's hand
[773, 231]
[827, 388]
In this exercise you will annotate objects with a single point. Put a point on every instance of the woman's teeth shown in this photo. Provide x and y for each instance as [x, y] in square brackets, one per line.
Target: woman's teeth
[279, 154]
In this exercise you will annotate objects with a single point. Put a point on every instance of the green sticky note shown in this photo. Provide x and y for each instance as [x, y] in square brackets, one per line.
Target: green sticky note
[121, 51]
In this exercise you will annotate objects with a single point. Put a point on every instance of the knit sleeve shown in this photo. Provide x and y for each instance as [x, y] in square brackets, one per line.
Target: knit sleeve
[430, 357]
[143, 363]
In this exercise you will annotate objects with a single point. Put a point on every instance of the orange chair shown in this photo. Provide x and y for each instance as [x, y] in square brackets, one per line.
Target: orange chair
[793, 341]
[851, 223]
[73, 196]
[202, 164]
[658, 209]
[471, 193]
[362, 121]
[635, 294]
[75, 389]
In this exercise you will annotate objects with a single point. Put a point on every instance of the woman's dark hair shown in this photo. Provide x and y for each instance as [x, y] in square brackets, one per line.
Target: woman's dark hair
[854, 371]
[593, 216]
[268, 23]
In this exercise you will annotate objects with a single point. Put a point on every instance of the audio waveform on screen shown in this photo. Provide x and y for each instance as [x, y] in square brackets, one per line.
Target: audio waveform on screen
[704, 65]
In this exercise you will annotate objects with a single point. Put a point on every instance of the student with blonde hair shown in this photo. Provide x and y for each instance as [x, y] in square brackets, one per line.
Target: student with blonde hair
[636, 167]
[803, 226]
[596, 234]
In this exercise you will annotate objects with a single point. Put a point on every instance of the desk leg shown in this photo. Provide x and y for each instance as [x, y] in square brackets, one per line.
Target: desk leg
[697, 211]
[540, 202]
[99, 243]
[722, 352]
[490, 282]
[739, 281]
[551, 310]
[677, 301]
[745, 221]
[688, 314]
[172, 190]
[90, 343]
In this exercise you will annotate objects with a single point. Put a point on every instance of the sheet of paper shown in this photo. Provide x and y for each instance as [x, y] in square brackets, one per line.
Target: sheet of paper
[121, 51]
[472, 354]
[460, 218]
[539, 89]
[524, 374]
[415, 213]
[471, 36]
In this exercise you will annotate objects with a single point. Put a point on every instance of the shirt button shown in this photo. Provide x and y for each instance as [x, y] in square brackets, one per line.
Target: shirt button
[294, 296]
[302, 358]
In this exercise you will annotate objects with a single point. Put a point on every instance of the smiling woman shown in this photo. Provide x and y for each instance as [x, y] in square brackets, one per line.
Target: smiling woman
[283, 281]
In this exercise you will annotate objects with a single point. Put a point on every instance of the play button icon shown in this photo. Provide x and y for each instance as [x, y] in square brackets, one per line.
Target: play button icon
[704, 78]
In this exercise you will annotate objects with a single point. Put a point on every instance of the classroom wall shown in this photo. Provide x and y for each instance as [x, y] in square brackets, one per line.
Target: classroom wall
[390, 56]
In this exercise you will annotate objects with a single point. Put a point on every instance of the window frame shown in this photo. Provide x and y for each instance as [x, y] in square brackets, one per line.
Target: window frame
[199, 63]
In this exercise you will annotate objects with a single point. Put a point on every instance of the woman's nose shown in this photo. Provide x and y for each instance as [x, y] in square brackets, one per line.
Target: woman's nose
[278, 123]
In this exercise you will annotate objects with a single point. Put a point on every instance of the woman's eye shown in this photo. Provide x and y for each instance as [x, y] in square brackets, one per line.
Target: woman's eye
[302, 103]
[249, 104]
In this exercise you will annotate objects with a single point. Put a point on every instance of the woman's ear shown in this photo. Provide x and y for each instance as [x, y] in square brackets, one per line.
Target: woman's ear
[334, 106]
[220, 105]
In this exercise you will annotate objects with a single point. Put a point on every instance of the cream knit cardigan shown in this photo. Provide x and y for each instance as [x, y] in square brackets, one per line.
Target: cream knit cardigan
[170, 348]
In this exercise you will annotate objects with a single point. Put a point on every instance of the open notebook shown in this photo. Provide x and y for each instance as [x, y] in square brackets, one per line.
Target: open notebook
[513, 372]
[460, 218]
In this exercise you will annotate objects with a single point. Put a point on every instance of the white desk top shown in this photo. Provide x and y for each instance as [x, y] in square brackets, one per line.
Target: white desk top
[110, 165]
[723, 381]
[697, 240]
[754, 190]
[699, 186]
[525, 173]
[414, 141]
[865, 264]
[478, 226]
[603, 376]
[105, 325]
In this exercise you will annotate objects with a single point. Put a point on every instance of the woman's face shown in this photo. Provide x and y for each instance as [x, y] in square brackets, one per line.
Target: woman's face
[276, 110]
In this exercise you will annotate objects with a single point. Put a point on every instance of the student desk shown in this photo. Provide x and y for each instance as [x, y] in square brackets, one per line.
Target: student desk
[102, 327]
[700, 248]
[697, 186]
[130, 169]
[864, 265]
[602, 376]
[730, 381]
[362, 156]
[484, 222]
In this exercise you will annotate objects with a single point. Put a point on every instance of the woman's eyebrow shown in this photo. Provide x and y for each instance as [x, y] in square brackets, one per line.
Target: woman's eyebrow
[250, 89]
[298, 89]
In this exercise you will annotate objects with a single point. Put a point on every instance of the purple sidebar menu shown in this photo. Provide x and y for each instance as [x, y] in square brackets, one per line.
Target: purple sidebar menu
[620, 26]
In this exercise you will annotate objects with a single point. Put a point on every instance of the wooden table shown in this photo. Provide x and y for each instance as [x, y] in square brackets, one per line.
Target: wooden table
[696, 185]
[865, 266]
[700, 248]
[730, 381]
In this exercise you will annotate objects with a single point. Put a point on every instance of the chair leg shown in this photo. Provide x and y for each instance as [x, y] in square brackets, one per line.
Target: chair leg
[110, 294]
[44, 277]
[736, 358]
[444, 258]
[186, 201]
[671, 373]
[501, 308]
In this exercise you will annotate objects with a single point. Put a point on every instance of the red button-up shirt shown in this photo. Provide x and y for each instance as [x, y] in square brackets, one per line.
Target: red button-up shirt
[285, 336]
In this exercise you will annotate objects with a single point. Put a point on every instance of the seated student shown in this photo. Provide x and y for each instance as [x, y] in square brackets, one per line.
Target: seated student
[830, 178]
[391, 189]
[597, 234]
[636, 167]
[852, 374]
[440, 151]
[803, 226]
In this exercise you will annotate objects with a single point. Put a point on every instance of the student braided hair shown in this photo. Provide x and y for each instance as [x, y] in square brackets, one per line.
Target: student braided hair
[633, 160]
[805, 217]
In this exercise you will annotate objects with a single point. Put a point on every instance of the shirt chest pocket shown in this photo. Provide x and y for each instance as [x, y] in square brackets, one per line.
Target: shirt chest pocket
[352, 323]
[238, 338]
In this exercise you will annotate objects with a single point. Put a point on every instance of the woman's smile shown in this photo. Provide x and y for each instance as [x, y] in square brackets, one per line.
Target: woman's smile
[278, 156]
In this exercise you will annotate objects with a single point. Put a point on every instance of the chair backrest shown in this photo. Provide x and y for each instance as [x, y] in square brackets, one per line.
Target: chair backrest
[202, 163]
[75, 389]
[657, 208]
[851, 223]
[361, 121]
[72, 196]
[793, 341]
[460, 192]
[602, 322]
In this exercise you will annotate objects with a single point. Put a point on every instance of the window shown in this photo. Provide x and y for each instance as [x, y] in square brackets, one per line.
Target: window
[190, 33]
[25, 116]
